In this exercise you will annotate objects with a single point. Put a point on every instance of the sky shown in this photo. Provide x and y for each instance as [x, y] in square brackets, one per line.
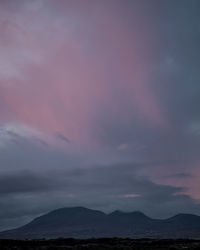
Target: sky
[99, 107]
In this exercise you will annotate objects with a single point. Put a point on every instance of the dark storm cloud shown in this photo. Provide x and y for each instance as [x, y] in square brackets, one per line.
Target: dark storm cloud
[56, 180]
[111, 180]
[101, 187]
[24, 182]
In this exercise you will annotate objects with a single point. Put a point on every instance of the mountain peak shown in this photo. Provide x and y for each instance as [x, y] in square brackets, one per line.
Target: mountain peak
[184, 216]
[81, 222]
[137, 214]
[67, 209]
[74, 210]
[116, 212]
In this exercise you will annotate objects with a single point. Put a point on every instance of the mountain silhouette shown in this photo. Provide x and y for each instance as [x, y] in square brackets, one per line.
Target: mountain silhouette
[80, 222]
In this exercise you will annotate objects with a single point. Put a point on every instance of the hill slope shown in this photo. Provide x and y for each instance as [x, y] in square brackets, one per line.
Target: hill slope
[79, 222]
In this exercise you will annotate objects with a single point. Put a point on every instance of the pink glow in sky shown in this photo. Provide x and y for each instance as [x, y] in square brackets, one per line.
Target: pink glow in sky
[59, 69]
[100, 98]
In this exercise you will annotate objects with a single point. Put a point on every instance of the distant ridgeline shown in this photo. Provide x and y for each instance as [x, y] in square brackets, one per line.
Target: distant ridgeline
[79, 222]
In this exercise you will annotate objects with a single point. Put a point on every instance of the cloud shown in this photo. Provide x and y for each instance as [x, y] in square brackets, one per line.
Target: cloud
[99, 105]
[78, 85]
[24, 182]
[62, 137]
[180, 175]
[101, 187]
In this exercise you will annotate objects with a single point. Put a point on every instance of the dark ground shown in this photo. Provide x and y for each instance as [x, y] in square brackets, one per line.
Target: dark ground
[101, 244]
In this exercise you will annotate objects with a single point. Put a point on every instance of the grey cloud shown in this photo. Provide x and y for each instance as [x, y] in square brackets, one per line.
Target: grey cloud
[62, 137]
[32, 154]
[148, 143]
[177, 36]
[24, 182]
[99, 187]
[179, 175]
[174, 77]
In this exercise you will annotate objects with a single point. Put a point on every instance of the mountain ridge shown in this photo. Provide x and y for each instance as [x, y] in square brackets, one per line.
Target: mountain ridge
[81, 222]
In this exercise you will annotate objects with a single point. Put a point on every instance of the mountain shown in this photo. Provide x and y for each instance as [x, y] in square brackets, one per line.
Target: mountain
[80, 222]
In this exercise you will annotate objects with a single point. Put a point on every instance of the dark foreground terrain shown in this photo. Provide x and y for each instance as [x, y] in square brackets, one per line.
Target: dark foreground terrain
[101, 244]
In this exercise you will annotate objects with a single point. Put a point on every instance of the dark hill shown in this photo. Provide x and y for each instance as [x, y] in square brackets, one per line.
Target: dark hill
[79, 222]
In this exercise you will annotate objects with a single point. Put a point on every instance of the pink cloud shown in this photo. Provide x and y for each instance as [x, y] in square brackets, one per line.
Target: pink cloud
[71, 62]
[130, 195]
